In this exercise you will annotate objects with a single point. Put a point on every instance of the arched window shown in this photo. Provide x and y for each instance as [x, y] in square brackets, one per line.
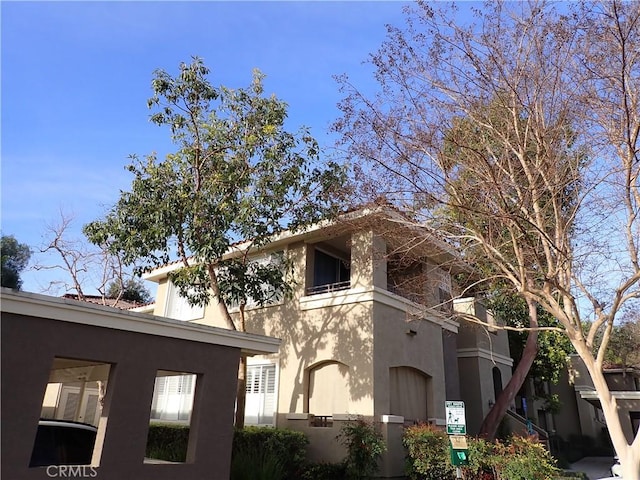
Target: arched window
[328, 391]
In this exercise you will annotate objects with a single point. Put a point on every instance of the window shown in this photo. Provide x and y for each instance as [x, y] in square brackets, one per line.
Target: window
[178, 307]
[261, 395]
[497, 382]
[71, 410]
[445, 302]
[269, 292]
[173, 397]
[329, 273]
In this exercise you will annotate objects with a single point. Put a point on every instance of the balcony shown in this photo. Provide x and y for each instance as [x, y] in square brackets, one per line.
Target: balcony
[328, 288]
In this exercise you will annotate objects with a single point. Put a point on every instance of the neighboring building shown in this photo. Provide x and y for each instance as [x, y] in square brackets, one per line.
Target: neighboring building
[368, 332]
[108, 301]
[579, 420]
[624, 384]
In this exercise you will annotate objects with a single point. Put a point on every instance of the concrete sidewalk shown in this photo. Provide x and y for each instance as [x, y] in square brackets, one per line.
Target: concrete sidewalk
[594, 467]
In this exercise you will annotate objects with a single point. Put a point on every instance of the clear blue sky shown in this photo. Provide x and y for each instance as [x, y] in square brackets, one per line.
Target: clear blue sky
[76, 77]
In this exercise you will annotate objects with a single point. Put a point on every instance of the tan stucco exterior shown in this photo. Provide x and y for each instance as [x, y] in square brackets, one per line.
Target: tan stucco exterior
[370, 339]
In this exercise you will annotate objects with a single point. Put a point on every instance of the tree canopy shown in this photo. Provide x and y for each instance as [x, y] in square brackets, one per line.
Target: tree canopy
[624, 345]
[15, 258]
[237, 179]
[237, 176]
[131, 290]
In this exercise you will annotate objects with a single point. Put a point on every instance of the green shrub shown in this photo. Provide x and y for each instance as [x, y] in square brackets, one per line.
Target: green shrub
[324, 471]
[254, 463]
[285, 447]
[481, 459]
[364, 447]
[520, 458]
[427, 453]
[168, 442]
[523, 458]
[569, 475]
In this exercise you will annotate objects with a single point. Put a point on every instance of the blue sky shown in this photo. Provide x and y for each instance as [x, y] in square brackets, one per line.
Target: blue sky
[76, 78]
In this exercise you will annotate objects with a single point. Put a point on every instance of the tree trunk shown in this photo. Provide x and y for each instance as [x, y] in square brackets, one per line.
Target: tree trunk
[241, 393]
[628, 454]
[631, 465]
[491, 422]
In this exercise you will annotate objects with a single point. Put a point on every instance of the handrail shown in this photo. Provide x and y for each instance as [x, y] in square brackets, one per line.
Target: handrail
[543, 434]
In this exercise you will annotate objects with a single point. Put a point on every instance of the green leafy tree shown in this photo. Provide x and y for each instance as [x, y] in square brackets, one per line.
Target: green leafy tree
[624, 345]
[131, 290]
[15, 257]
[552, 346]
[237, 175]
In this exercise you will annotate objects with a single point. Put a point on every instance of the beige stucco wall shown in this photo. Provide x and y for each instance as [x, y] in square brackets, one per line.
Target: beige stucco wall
[394, 347]
[368, 330]
[480, 349]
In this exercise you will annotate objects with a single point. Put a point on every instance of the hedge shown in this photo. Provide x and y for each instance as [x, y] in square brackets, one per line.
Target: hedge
[167, 441]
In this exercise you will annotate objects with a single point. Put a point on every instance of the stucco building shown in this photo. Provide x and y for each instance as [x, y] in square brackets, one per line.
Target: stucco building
[368, 332]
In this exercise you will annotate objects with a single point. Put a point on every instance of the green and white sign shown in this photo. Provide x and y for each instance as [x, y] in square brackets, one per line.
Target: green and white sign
[456, 422]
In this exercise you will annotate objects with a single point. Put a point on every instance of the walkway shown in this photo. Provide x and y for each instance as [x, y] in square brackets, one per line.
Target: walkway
[594, 467]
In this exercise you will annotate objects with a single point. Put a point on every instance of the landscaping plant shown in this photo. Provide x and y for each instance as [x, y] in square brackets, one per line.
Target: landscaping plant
[519, 458]
[364, 448]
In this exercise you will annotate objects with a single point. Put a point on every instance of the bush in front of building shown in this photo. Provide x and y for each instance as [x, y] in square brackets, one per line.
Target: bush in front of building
[280, 450]
[519, 458]
[523, 458]
[427, 453]
[324, 471]
[257, 453]
[364, 446]
[253, 463]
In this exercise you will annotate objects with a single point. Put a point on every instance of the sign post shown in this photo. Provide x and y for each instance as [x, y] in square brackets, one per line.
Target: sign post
[457, 431]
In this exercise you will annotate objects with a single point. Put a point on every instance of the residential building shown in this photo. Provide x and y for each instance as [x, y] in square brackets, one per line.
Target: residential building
[581, 414]
[368, 332]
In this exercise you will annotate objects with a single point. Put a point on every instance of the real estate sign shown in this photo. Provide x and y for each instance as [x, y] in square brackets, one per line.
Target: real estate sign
[456, 422]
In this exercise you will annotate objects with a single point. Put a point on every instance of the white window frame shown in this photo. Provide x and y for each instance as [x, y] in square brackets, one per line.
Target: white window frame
[257, 373]
[263, 259]
[176, 303]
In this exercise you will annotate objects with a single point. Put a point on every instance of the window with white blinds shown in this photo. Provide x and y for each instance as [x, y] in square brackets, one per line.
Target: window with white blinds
[178, 307]
[173, 397]
[261, 395]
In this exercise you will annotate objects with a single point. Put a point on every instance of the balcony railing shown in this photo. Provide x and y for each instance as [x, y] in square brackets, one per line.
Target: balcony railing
[331, 287]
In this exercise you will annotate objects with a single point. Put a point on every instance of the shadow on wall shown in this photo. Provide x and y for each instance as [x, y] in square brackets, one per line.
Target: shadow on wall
[341, 333]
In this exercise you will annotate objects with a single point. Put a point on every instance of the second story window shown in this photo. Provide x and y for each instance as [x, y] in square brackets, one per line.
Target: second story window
[329, 273]
[179, 308]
